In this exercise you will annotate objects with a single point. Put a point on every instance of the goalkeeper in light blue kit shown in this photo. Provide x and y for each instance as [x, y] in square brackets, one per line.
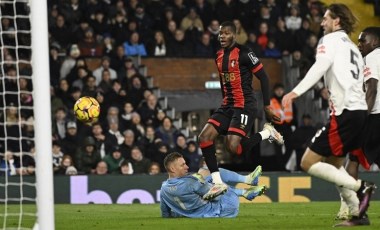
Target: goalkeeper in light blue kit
[181, 195]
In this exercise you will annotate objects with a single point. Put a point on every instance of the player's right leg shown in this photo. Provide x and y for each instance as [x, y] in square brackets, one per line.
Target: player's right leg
[206, 143]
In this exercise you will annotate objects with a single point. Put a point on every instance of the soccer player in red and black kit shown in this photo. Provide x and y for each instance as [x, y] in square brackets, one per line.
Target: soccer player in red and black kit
[235, 117]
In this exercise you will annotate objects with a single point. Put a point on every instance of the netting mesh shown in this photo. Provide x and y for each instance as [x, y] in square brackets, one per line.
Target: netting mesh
[17, 183]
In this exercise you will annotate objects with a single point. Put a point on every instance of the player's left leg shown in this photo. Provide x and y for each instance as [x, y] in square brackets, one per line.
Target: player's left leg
[232, 178]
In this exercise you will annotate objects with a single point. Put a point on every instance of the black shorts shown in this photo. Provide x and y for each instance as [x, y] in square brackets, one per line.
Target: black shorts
[341, 135]
[371, 142]
[235, 121]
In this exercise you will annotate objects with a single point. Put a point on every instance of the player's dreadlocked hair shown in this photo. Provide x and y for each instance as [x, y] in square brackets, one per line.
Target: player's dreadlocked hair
[348, 20]
[229, 24]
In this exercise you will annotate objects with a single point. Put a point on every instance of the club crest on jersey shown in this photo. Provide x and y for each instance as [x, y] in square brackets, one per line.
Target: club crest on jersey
[233, 63]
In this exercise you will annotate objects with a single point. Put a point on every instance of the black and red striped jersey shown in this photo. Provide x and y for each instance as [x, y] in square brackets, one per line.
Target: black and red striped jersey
[235, 66]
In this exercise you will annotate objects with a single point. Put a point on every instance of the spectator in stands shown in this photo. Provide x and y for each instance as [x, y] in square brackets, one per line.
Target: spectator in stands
[204, 10]
[180, 10]
[139, 162]
[226, 10]
[274, 9]
[272, 51]
[89, 46]
[126, 168]
[72, 140]
[263, 35]
[203, 47]
[309, 49]
[159, 156]
[265, 17]
[105, 65]
[126, 72]
[247, 13]
[87, 157]
[137, 127]
[169, 32]
[315, 17]
[299, 61]
[60, 32]
[293, 20]
[63, 91]
[75, 94]
[59, 123]
[8, 164]
[81, 78]
[126, 115]
[301, 138]
[144, 23]
[113, 136]
[302, 34]
[73, 74]
[148, 142]
[128, 143]
[80, 31]
[192, 25]
[149, 109]
[108, 44]
[157, 47]
[181, 46]
[70, 60]
[154, 169]
[192, 156]
[105, 85]
[73, 12]
[252, 43]
[241, 35]
[114, 160]
[180, 144]
[55, 65]
[136, 91]
[101, 168]
[117, 58]
[66, 166]
[57, 155]
[167, 132]
[119, 27]
[213, 30]
[100, 25]
[56, 102]
[288, 116]
[90, 89]
[134, 47]
[116, 96]
[284, 38]
[99, 137]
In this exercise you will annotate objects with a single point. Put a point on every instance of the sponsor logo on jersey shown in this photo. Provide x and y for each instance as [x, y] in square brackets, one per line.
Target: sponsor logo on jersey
[367, 72]
[321, 49]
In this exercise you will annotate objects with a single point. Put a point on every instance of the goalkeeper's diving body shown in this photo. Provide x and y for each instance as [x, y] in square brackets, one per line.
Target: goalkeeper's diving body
[182, 193]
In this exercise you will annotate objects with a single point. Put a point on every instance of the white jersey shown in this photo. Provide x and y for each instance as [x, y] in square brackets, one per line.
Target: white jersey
[344, 78]
[372, 70]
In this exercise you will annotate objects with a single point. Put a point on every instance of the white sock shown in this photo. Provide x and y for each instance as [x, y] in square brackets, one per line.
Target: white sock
[350, 199]
[216, 178]
[330, 173]
[265, 134]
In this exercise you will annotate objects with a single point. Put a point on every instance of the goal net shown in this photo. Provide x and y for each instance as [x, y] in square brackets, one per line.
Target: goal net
[26, 188]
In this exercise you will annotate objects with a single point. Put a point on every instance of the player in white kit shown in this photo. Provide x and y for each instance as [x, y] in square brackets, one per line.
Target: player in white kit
[340, 62]
[369, 46]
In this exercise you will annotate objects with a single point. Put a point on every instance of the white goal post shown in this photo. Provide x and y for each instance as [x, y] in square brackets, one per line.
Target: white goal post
[42, 108]
[24, 42]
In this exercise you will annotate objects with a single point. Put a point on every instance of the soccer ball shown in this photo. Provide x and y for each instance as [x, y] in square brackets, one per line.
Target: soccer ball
[87, 109]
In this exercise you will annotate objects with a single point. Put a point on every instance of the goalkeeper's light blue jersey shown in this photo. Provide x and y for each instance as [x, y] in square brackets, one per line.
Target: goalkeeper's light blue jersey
[183, 197]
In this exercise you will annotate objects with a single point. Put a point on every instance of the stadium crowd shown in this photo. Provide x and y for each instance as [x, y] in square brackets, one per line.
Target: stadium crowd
[134, 133]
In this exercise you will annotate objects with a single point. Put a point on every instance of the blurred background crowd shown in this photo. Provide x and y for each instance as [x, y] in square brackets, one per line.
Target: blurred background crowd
[134, 131]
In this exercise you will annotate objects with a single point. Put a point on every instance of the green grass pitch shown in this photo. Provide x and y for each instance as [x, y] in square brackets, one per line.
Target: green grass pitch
[314, 215]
